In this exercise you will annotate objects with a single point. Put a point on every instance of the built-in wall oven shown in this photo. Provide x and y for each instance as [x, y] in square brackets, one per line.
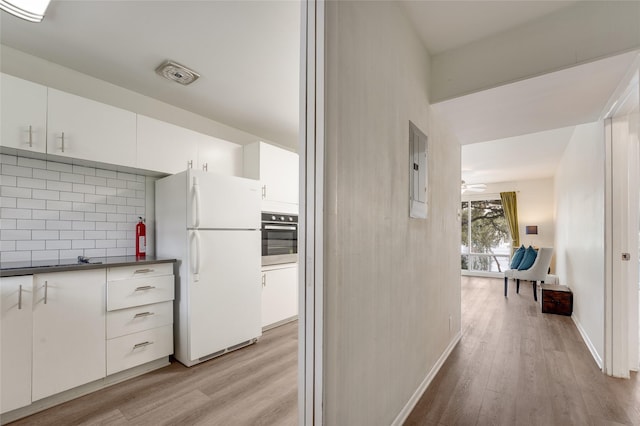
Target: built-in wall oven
[279, 238]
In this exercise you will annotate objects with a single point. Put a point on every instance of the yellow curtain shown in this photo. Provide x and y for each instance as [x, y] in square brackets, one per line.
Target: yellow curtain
[510, 207]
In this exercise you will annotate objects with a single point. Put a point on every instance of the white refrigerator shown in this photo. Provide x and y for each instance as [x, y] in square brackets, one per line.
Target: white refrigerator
[211, 224]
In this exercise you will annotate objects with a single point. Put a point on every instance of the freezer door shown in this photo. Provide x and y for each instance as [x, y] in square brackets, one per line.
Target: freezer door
[225, 301]
[222, 202]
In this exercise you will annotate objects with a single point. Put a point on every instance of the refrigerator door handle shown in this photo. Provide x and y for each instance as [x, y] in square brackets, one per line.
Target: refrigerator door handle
[196, 203]
[195, 259]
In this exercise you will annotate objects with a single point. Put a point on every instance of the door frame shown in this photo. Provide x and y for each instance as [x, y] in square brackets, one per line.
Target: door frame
[311, 225]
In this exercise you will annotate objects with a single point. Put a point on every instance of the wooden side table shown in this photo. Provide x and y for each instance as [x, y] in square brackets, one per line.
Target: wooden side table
[557, 299]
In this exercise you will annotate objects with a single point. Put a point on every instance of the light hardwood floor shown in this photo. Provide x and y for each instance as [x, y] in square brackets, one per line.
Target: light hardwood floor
[517, 366]
[256, 385]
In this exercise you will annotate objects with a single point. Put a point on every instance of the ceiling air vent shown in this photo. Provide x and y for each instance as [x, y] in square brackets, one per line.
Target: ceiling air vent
[176, 72]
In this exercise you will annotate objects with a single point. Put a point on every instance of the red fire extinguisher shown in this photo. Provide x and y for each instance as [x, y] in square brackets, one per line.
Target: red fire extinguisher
[141, 238]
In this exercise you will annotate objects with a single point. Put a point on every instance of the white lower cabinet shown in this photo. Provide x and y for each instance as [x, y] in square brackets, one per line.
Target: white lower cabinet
[15, 350]
[279, 293]
[68, 330]
[139, 315]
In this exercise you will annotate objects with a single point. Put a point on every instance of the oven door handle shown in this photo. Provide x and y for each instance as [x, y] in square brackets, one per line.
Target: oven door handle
[280, 228]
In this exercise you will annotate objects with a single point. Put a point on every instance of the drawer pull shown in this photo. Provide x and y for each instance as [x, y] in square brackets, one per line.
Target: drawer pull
[145, 287]
[46, 290]
[20, 297]
[143, 314]
[143, 271]
[141, 345]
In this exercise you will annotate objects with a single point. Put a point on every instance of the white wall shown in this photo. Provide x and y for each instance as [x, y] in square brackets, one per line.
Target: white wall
[580, 226]
[47, 73]
[391, 283]
[535, 207]
[584, 32]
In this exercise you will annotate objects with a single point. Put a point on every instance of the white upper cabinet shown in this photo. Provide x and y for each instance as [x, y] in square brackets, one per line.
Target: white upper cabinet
[23, 113]
[164, 147]
[85, 129]
[16, 294]
[277, 169]
[219, 156]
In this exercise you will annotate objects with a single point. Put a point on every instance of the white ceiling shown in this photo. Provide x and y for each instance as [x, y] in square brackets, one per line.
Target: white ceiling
[248, 55]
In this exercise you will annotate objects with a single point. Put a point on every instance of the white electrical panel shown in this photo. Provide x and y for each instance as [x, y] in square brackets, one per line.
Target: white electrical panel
[418, 173]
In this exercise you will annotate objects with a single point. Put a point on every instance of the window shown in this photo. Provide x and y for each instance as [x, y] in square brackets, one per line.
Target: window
[486, 243]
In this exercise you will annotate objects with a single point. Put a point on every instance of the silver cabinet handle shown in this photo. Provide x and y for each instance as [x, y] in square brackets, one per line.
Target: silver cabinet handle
[141, 345]
[46, 289]
[145, 287]
[143, 271]
[30, 136]
[264, 280]
[20, 297]
[143, 314]
[264, 191]
[190, 164]
[62, 138]
[205, 167]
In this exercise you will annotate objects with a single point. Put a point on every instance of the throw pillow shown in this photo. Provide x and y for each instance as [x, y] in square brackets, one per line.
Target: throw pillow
[528, 259]
[517, 257]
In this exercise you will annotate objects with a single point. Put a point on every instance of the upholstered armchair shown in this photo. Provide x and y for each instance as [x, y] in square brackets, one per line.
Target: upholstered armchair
[537, 271]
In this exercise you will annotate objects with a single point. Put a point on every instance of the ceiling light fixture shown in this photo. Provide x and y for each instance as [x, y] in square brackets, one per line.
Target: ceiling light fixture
[176, 72]
[29, 10]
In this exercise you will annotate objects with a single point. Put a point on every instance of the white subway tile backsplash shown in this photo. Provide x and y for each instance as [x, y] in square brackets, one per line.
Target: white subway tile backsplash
[32, 163]
[81, 170]
[58, 224]
[58, 244]
[59, 205]
[15, 256]
[70, 177]
[8, 159]
[17, 192]
[10, 213]
[45, 194]
[45, 255]
[11, 224]
[72, 196]
[45, 235]
[72, 216]
[30, 224]
[59, 167]
[51, 210]
[106, 173]
[29, 245]
[15, 234]
[8, 180]
[27, 203]
[8, 169]
[46, 175]
[71, 235]
[54, 185]
[9, 202]
[46, 214]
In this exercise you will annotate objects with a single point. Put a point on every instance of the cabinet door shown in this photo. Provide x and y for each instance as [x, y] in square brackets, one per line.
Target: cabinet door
[279, 174]
[15, 345]
[92, 130]
[68, 330]
[23, 113]
[219, 156]
[164, 147]
[279, 294]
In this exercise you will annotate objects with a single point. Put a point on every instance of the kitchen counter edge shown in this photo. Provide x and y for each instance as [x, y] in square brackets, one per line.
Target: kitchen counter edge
[106, 262]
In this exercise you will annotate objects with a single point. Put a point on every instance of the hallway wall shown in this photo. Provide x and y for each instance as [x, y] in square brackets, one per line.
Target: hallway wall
[580, 226]
[392, 283]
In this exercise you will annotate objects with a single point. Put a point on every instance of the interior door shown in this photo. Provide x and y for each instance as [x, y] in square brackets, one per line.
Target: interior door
[224, 290]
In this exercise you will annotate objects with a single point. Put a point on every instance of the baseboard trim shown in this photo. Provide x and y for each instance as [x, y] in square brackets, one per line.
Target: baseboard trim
[410, 405]
[587, 341]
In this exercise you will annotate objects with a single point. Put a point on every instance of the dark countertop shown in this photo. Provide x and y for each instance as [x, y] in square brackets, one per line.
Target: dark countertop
[12, 269]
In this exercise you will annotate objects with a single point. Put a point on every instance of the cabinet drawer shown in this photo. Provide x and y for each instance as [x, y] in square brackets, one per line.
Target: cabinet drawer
[138, 348]
[139, 291]
[140, 318]
[139, 271]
